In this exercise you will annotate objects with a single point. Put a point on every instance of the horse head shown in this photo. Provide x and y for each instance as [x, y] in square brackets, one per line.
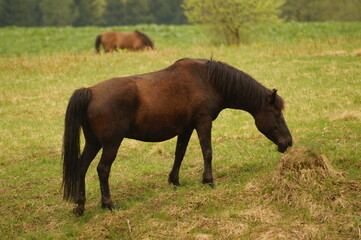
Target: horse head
[270, 121]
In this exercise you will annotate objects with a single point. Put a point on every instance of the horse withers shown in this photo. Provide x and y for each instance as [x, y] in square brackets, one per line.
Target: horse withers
[112, 40]
[157, 106]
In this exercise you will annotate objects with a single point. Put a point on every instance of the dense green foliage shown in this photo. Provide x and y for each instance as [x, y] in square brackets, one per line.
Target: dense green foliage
[322, 10]
[316, 69]
[56, 13]
[129, 12]
[118, 12]
[89, 12]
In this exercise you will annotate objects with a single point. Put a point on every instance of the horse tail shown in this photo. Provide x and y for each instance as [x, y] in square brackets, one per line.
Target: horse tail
[98, 41]
[75, 118]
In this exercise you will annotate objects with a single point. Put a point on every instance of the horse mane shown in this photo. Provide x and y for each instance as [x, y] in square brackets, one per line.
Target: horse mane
[145, 39]
[236, 85]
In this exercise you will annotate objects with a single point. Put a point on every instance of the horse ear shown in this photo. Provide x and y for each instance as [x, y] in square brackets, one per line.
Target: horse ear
[272, 96]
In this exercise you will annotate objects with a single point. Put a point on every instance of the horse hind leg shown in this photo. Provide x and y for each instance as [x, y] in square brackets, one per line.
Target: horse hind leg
[91, 149]
[109, 153]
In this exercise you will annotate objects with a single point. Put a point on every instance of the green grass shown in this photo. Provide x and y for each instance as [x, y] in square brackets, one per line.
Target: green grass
[318, 75]
[18, 41]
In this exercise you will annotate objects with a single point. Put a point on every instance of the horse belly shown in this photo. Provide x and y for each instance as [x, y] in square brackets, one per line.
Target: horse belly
[158, 127]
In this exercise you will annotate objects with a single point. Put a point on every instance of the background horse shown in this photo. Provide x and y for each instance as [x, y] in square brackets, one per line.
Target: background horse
[158, 106]
[112, 40]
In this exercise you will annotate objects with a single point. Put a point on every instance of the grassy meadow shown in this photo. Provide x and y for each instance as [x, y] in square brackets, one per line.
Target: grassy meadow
[316, 68]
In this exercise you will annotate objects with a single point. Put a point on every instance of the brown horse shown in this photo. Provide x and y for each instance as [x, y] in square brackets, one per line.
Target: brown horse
[112, 40]
[158, 106]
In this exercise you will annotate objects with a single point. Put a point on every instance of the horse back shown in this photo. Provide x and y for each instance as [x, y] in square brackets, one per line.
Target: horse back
[131, 41]
[112, 40]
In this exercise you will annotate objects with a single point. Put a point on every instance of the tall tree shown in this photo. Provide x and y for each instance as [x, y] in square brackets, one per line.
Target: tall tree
[138, 11]
[231, 19]
[322, 10]
[167, 12]
[89, 12]
[120, 12]
[178, 12]
[57, 13]
[19, 13]
[3, 17]
[114, 13]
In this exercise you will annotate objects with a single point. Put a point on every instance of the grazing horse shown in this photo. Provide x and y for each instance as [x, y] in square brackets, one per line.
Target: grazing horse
[157, 106]
[112, 40]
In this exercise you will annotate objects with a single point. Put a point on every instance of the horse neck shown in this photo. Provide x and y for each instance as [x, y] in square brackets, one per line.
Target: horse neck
[238, 89]
[249, 97]
[245, 103]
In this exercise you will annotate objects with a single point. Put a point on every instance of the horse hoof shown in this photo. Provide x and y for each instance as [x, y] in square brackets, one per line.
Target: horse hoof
[211, 184]
[176, 186]
[78, 211]
[110, 206]
[175, 183]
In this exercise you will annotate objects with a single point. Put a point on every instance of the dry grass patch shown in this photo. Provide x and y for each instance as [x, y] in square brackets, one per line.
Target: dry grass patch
[334, 53]
[346, 115]
[357, 52]
[300, 231]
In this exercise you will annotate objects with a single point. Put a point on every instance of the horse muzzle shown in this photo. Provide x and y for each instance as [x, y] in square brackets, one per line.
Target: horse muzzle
[283, 145]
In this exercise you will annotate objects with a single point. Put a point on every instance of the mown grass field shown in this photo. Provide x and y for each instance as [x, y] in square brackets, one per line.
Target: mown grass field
[316, 69]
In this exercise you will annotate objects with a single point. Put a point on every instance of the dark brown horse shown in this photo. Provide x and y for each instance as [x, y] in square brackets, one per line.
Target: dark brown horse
[158, 106]
[112, 40]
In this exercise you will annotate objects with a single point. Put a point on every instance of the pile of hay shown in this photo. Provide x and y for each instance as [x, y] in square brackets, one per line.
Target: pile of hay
[303, 164]
[304, 178]
[312, 189]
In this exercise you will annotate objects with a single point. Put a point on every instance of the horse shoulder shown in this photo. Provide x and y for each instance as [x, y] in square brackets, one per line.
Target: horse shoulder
[205, 98]
[192, 69]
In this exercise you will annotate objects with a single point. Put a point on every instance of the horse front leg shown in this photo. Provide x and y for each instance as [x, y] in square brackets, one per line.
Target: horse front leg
[181, 147]
[204, 129]
[108, 156]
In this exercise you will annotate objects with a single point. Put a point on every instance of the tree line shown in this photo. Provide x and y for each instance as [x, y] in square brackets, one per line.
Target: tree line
[322, 10]
[90, 12]
[130, 12]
